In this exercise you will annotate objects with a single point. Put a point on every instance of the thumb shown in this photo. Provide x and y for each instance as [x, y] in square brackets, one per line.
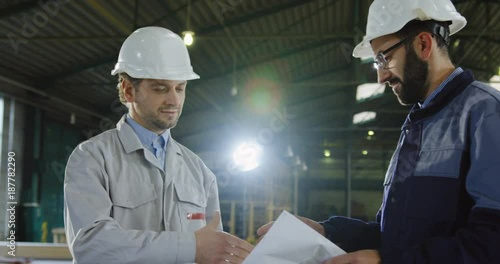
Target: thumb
[215, 223]
[264, 229]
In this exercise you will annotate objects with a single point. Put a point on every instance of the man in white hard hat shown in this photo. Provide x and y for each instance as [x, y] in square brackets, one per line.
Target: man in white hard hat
[133, 194]
[441, 200]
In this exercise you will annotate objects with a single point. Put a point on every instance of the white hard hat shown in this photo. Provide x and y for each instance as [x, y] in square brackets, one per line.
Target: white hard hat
[155, 53]
[389, 16]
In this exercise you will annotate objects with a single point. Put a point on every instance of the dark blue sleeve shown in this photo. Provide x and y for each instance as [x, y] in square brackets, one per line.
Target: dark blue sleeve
[352, 234]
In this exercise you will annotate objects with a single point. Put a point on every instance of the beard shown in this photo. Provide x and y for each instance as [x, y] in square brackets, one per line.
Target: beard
[153, 120]
[416, 83]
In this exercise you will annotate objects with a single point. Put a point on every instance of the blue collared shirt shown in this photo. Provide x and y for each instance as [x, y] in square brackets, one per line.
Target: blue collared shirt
[156, 144]
[456, 72]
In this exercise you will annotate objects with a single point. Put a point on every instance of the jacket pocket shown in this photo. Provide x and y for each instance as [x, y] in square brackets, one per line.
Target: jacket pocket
[190, 200]
[431, 208]
[136, 206]
[433, 197]
[190, 195]
[128, 196]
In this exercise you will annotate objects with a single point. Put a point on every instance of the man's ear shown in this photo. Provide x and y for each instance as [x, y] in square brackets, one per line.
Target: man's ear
[128, 90]
[424, 45]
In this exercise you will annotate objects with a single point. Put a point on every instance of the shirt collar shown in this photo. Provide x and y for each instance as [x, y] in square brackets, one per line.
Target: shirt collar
[145, 135]
[454, 74]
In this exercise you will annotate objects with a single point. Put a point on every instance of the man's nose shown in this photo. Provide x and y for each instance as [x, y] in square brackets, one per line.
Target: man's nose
[172, 98]
[383, 75]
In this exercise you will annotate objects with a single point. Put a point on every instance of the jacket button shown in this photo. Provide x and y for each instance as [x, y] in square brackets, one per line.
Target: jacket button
[393, 200]
[407, 131]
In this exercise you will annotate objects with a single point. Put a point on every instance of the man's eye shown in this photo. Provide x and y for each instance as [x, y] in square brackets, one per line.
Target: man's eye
[160, 88]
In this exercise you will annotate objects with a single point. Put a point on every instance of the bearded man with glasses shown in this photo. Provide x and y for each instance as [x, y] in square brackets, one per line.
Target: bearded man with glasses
[441, 201]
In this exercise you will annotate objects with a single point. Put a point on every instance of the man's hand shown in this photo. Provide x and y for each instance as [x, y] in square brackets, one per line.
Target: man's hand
[358, 257]
[214, 246]
[313, 224]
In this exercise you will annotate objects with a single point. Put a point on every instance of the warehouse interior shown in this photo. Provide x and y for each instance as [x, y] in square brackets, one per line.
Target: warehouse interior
[276, 72]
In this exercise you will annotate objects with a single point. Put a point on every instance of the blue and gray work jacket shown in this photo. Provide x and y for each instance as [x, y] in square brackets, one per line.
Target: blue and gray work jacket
[441, 199]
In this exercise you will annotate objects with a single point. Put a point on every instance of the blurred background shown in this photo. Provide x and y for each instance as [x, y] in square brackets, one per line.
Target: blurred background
[276, 76]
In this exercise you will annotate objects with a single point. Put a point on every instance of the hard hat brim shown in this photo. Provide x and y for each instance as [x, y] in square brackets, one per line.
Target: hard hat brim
[363, 50]
[156, 73]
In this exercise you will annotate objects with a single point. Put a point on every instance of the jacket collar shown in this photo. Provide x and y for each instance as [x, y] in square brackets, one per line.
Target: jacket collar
[131, 142]
[454, 88]
[129, 139]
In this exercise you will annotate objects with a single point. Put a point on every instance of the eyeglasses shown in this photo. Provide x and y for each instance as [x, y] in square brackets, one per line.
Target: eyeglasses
[381, 61]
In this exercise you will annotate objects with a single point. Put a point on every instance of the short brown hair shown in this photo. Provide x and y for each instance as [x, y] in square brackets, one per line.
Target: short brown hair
[122, 76]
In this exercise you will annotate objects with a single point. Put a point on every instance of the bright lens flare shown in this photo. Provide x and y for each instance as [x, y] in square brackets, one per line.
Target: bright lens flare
[246, 156]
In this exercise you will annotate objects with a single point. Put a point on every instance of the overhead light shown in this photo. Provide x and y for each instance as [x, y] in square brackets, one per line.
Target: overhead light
[369, 91]
[371, 133]
[246, 156]
[188, 37]
[364, 117]
[72, 119]
[327, 153]
[364, 152]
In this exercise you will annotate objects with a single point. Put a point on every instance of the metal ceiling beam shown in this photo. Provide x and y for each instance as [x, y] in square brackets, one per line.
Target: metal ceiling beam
[325, 39]
[332, 37]
[307, 79]
[101, 10]
[106, 60]
[53, 99]
[80, 69]
[257, 15]
[17, 8]
[170, 13]
[315, 74]
[295, 84]
[238, 68]
[281, 55]
[290, 26]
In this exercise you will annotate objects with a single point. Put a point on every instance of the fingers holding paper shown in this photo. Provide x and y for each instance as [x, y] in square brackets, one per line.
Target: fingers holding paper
[263, 229]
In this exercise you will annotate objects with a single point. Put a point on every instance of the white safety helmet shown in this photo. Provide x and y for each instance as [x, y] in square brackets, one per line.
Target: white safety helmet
[155, 53]
[389, 16]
